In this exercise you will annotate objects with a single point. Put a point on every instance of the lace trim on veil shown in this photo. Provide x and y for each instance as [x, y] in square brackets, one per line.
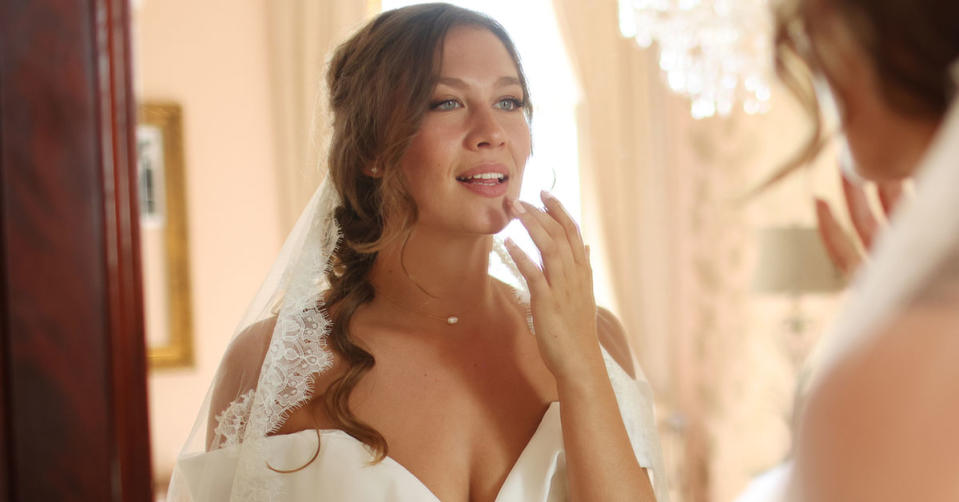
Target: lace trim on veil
[296, 354]
[231, 422]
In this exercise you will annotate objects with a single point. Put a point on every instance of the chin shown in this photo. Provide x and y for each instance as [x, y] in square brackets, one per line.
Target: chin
[495, 230]
[874, 160]
[490, 223]
[876, 170]
[489, 220]
[494, 225]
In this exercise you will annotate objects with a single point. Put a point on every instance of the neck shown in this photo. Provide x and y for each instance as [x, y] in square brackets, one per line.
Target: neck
[435, 272]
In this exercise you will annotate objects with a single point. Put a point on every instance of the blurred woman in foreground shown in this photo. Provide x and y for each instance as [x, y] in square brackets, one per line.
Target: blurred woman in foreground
[881, 421]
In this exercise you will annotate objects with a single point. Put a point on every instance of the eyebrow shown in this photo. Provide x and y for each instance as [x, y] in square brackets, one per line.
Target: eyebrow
[460, 84]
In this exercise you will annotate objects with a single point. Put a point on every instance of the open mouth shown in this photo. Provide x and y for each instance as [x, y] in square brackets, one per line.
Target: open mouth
[484, 179]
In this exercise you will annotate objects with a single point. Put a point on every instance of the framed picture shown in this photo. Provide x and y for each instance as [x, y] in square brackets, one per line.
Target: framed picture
[163, 235]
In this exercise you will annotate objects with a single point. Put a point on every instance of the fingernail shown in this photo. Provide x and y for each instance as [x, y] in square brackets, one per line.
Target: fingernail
[509, 242]
[545, 195]
[518, 207]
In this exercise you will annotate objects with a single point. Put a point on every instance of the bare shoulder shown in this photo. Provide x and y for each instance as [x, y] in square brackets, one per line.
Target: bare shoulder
[240, 366]
[612, 336]
[881, 425]
[251, 344]
[239, 370]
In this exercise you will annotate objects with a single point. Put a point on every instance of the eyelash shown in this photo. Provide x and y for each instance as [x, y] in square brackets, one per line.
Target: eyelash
[517, 104]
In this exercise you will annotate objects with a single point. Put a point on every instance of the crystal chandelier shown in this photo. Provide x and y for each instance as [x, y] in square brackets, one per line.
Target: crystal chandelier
[716, 52]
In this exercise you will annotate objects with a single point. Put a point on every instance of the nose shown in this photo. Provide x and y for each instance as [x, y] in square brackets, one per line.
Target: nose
[485, 130]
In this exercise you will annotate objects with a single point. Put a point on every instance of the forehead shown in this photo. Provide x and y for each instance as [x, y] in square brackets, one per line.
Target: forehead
[475, 52]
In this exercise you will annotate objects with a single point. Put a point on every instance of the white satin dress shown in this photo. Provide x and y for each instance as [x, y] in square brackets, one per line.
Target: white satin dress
[342, 469]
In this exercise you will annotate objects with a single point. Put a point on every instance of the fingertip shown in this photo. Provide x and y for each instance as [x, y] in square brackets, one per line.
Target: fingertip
[514, 251]
[822, 207]
[518, 207]
[847, 185]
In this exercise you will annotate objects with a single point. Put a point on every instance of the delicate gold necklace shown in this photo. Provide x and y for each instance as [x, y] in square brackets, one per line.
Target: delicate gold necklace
[450, 319]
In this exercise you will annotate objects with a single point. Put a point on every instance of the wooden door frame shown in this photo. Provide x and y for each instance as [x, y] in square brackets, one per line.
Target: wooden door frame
[72, 364]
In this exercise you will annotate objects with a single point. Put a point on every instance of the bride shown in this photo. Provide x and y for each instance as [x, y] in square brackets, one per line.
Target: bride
[381, 360]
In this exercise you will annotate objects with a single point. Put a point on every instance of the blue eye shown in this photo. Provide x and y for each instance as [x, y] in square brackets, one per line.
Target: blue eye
[444, 105]
[509, 104]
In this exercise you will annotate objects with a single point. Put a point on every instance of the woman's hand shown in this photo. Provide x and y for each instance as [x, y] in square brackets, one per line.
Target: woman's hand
[561, 292]
[600, 461]
[842, 248]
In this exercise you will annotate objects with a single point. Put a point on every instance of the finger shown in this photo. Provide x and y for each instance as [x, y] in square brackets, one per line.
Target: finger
[535, 279]
[589, 266]
[555, 209]
[860, 213]
[555, 256]
[549, 224]
[889, 194]
[839, 246]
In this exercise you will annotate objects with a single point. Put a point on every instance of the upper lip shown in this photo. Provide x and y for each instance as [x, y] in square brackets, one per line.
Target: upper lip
[485, 168]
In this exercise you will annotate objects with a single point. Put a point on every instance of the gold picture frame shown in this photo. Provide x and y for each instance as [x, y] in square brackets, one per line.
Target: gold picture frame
[163, 232]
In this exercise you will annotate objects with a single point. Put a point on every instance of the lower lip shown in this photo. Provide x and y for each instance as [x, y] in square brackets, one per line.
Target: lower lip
[486, 190]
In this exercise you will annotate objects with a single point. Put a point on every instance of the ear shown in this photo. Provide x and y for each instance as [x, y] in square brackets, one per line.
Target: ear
[373, 171]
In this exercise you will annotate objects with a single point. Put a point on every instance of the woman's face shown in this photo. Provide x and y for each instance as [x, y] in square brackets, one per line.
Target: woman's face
[474, 140]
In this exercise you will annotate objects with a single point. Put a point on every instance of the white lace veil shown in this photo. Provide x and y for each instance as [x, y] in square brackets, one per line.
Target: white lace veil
[267, 370]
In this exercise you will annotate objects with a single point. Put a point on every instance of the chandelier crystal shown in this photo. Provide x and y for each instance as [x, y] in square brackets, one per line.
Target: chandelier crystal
[716, 52]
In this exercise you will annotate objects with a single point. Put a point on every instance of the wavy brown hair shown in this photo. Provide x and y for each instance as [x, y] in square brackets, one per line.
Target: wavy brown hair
[380, 84]
[910, 45]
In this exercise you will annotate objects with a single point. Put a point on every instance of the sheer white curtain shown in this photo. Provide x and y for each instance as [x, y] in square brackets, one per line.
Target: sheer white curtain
[658, 190]
[301, 36]
[630, 211]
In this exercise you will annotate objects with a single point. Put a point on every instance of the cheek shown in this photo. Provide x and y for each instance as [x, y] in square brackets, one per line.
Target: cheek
[871, 142]
[425, 166]
[869, 153]
[414, 158]
[522, 142]
[424, 152]
[858, 149]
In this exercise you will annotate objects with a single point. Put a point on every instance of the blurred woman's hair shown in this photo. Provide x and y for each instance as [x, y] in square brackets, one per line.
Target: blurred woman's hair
[910, 45]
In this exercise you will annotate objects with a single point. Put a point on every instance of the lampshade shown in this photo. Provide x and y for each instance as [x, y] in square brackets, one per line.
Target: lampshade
[793, 260]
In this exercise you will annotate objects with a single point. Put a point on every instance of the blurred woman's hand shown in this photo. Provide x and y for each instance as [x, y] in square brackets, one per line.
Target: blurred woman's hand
[840, 245]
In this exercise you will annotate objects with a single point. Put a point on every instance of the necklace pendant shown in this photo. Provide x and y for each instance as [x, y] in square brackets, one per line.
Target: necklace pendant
[451, 320]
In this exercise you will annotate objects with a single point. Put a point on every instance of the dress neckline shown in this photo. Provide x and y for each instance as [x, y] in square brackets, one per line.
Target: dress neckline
[551, 409]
